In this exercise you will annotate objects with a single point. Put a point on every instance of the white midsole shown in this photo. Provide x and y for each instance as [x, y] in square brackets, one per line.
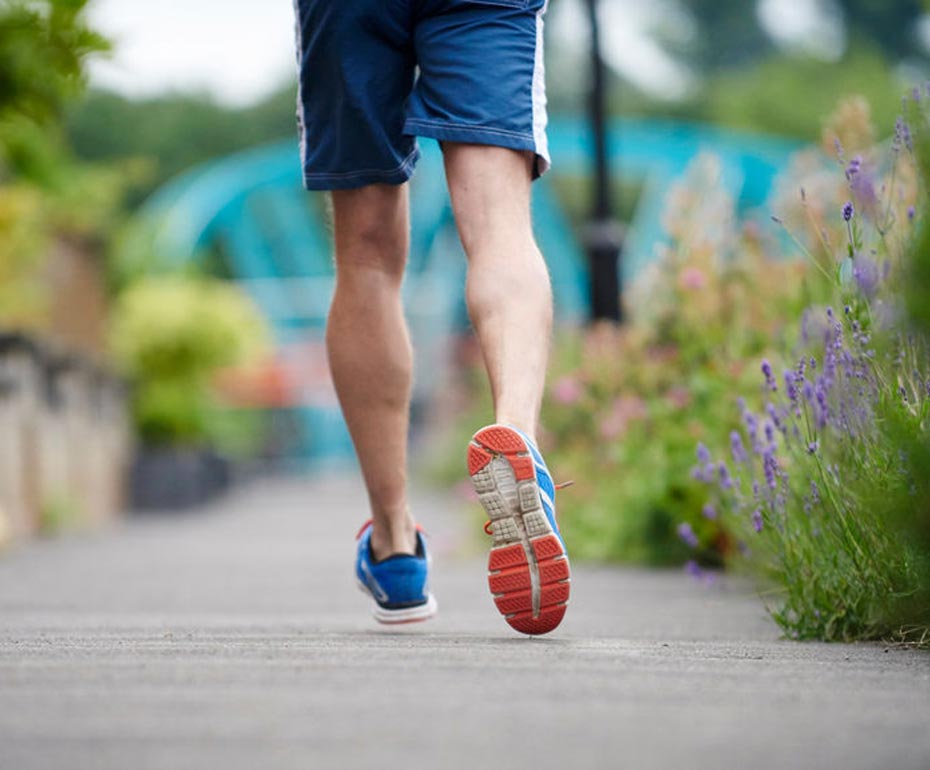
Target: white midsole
[404, 615]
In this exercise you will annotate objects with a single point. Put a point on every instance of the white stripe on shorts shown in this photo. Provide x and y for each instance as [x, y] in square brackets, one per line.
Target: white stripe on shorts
[539, 96]
[301, 127]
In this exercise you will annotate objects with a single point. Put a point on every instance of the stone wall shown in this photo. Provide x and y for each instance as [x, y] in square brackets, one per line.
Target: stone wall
[64, 439]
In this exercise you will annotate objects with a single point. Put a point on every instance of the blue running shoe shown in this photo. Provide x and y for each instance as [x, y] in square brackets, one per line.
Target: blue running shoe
[399, 584]
[528, 571]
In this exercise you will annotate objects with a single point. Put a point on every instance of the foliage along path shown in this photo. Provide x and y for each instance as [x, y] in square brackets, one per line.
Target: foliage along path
[233, 637]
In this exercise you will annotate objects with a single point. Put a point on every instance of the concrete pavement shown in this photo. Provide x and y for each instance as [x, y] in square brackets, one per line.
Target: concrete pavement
[233, 637]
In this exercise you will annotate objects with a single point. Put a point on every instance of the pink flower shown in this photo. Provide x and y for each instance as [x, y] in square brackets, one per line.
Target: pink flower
[567, 390]
[692, 279]
[625, 410]
[679, 396]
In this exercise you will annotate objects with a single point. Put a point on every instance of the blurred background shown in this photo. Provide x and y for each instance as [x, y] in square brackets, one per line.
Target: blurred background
[164, 279]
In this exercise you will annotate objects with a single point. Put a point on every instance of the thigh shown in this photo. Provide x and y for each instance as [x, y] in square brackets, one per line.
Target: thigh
[356, 69]
[481, 74]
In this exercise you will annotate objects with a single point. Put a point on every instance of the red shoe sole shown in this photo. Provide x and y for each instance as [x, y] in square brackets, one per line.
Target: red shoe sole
[528, 570]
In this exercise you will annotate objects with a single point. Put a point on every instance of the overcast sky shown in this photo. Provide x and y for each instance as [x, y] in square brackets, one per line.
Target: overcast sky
[240, 50]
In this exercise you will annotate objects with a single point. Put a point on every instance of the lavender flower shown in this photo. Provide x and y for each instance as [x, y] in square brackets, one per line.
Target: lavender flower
[693, 569]
[812, 447]
[862, 186]
[767, 371]
[866, 273]
[774, 416]
[726, 482]
[737, 448]
[709, 512]
[757, 520]
[911, 213]
[770, 468]
[703, 454]
[686, 533]
[848, 211]
[769, 432]
[807, 390]
[790, 387]
[855, 165]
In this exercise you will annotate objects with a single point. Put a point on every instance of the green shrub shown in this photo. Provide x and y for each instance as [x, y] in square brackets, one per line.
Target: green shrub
[171, 336]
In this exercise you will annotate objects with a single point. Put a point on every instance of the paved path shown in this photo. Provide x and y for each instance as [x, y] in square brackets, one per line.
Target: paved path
[233, 637]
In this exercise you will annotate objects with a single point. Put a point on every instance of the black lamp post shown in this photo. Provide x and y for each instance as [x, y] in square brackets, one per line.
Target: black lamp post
[603, 234]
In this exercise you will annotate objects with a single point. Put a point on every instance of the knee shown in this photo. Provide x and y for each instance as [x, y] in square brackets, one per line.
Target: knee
[370, 231]
[371, 247]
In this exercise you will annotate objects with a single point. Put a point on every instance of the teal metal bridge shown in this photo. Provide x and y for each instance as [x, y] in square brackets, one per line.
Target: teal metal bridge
[273, 237]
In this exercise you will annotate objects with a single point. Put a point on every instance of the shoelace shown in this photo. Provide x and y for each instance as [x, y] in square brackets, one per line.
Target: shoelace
[487, 525]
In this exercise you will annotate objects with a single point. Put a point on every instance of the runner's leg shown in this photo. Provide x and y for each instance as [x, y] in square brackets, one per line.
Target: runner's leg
[507, 291]
[369, 350]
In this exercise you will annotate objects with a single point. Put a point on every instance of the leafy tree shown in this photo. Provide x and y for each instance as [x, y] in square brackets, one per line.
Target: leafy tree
[892, 26]
[728, 34]
[175, 132]
[43, 46]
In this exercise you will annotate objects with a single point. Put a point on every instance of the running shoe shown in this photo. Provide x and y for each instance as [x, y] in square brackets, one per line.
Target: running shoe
[528, 570]
[398, 584]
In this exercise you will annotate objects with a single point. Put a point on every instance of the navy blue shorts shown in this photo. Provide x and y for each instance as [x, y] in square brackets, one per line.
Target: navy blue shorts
[375, 74]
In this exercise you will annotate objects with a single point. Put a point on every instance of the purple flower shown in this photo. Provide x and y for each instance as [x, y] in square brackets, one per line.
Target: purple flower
[687, 535]
[737, 448]
[769, 432]
[774, 416]
[812, 447]
[703, 454]
[815, 492]
[853, 168]
[848, 211]
[709, 512]
[807, 391]
[693, 569]
[757, 520]
[790, 388]
[823, 407]
[770, 468]
[725, 481]
[767, 371]
[902, 135]
[911, 213]
[866, 273]
[863, 189]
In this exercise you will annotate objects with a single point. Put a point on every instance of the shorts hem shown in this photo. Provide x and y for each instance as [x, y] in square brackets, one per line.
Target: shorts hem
[468, 134]
[353, 179]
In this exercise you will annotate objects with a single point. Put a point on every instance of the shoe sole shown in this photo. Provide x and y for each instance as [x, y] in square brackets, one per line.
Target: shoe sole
[528, 570]
[406, 615]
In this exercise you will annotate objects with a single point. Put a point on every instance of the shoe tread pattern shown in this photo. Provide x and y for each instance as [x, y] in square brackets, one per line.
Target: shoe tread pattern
[528, 570]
